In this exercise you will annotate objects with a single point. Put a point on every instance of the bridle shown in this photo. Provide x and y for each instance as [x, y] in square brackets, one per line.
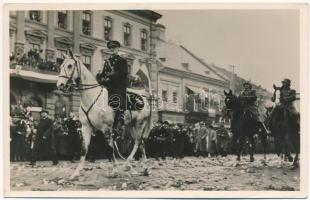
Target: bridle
[80, 87]
[76, 84]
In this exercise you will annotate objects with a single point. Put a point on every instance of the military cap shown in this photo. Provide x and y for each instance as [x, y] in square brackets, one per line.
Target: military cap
[44, 111]
[247, 83]
[286, 80]
[166, 122]
[113, 44]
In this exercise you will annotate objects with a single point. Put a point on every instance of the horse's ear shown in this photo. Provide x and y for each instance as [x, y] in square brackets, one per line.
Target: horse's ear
[274, 87]
[70, 53]
[225, 93]
[230, 92]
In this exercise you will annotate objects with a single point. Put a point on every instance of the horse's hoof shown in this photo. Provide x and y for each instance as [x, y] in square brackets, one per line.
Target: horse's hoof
[238, 159]
[290, 159]
[251, 159]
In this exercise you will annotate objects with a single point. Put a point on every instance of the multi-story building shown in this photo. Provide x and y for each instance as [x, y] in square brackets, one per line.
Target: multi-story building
[188, 89]
[38, 40]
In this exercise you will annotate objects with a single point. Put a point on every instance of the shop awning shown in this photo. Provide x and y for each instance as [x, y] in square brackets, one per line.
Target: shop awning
[194, 89]
[34, 76]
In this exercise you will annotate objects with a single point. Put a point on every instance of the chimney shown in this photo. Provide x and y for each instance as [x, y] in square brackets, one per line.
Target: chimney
[158, 34]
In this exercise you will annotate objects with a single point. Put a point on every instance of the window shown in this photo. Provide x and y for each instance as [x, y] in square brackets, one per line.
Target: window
[175, 97]
[143, 40]
[62, 19]
[164, 95]
[86, 23]
[107, 28]
[129, 68]
[87, 61]
[34, 15]
[35, 47]
[59, 56]
[127, 33]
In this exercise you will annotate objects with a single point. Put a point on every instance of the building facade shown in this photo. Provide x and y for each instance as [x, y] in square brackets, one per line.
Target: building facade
[38, 40]
[188, 89]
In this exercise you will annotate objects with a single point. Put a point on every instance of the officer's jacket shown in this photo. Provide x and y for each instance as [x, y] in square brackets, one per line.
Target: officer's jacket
[72, 125]
[45, 127]
[114, 73]
[287, 96]
[248, 96]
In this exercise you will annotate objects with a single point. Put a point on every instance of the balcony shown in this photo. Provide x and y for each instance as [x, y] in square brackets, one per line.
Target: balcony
[32, 61]
[194, 103]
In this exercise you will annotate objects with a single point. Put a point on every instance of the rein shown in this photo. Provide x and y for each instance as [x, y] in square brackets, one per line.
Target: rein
[77, 86]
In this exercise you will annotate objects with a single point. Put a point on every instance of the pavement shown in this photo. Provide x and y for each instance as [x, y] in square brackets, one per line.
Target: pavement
[190, 173]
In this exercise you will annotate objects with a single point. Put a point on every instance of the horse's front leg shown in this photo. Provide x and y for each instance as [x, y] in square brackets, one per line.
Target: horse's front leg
[142, 148]
[240, 147]
[86, 136]
[134, 150]
[252, 148]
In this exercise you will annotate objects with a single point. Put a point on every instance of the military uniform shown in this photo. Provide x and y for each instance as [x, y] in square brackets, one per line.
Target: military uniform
[114, 77]
[44, 130]
[287, 97]
[248, 97]
[162, 142]
[74, 142]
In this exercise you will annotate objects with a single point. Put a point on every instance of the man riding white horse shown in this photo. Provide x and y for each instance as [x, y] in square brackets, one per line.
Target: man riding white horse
[114, 78]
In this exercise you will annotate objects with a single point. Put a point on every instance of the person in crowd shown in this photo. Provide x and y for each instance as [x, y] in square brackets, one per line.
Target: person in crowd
[222, 140]
[74, 141]
[44, 136]
[201, 134]
[162, 141]
[212, 141]
[59, 132]
[19, 140]
[189, 141]
[179, 141]
[151, 141]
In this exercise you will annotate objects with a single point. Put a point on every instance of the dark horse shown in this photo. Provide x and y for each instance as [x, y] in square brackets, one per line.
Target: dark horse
[285, 129]
[243, 126]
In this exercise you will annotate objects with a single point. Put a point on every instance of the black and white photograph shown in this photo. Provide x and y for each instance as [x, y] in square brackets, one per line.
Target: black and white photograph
[155, 100]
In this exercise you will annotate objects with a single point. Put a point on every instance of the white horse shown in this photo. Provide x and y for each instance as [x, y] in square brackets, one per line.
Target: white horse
[94, 112]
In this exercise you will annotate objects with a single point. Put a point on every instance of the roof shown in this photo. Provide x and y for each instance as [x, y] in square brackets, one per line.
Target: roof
[154, 16]
[177, 57]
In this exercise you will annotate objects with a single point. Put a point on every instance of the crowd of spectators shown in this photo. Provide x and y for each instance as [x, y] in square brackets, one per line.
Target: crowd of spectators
[178, 140]
[60, 138]
[33, 60]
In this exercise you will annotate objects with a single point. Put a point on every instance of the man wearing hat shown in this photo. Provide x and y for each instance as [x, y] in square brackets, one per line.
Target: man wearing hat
[114, 78]
[287, 97]
[44, 132]
[248, 97]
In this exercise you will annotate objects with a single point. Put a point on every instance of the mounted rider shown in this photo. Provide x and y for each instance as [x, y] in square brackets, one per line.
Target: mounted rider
[248, 98]
[114, 78]
[287, 97]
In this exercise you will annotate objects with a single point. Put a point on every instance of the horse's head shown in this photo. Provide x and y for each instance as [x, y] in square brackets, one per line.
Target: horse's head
[70, 72]
[231, 102]
[276, 94]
